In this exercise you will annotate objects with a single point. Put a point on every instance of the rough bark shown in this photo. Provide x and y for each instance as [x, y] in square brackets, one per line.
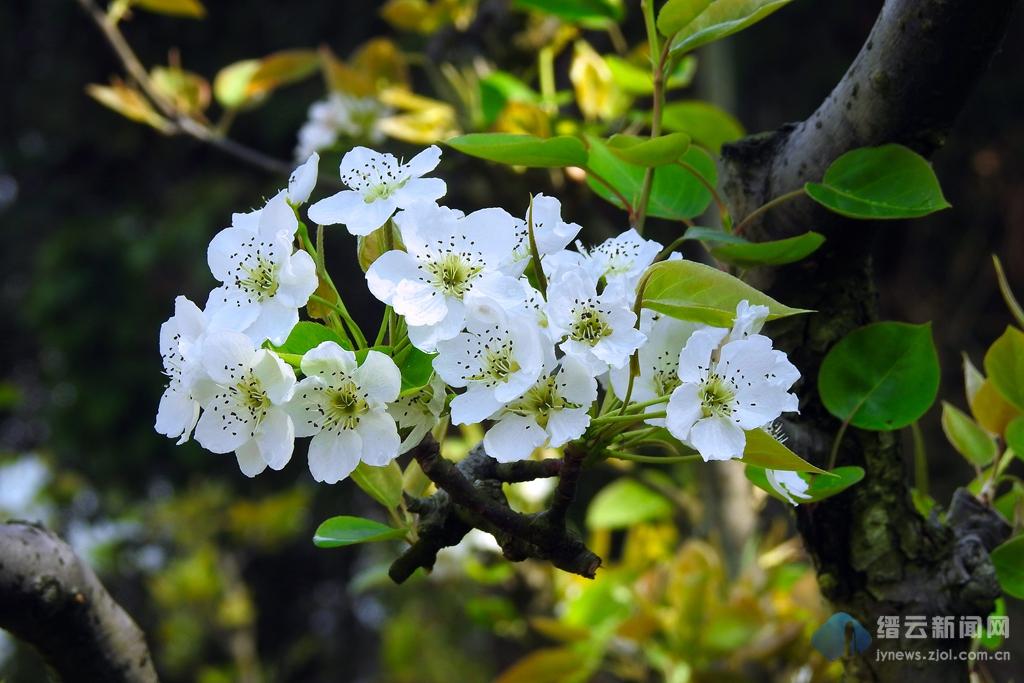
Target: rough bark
[874, 553]
[52, 600]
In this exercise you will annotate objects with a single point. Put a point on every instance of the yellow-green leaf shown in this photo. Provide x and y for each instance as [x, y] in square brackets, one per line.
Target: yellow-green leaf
[1004, 365]
[177, 8]
[231, 85]
[967, 437]
[764, 450]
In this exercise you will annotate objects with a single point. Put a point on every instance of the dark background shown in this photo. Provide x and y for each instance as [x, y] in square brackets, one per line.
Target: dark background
[105, 221]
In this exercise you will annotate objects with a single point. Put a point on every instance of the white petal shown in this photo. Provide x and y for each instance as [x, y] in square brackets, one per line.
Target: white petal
[789, 485]
[474, 406]
[351, 209]
[419, 191]
[275, 322]
[380, 438]
[717, 438]
[304, 407]
[177, 413]
[250, 462]
[231, 309]
[224, 426]
[227, 357]
[327, 360]
[424, 162]
[303, 180]
[566, 425]
[390, 269]
[575, 383]
[278, 218]
[419, 303]
[695, 358]
[190, 318]
[333, 455]
[276, 377]
[224, 251]
[297, 280]
[513, 437]
[276, 438]
[684, 408]
[379, 377]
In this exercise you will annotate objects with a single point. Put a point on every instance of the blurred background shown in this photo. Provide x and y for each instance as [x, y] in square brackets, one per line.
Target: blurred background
[105, 221]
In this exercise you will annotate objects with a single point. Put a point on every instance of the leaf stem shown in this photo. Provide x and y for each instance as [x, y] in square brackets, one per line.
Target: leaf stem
[920, 459]
[659, 57]
[626, 204]
[834, 454]
[631, 417]
[764, 208]
[653, 459]
[723, 210]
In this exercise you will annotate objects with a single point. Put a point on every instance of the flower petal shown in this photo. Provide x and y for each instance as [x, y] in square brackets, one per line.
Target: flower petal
[379, 377]
[684, 409]
[513, 437]
[250, 462]
[380, 438]
[303, 180]
[227, 357]
[276, 377]
[695, 358]
[566, 425]
[327, 360]
[476, 405]
[333, 455]
[717, 438]
[276, 438]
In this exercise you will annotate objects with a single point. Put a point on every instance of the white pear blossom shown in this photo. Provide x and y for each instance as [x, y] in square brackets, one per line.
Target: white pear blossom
[303, 180]
[749, 320]
[659, 360]
[244, 401]
[343, 406]
[339, 115]
[727, 387]
[180, 338]
[550, 233]
[622, 259]
[552, 412]
[598, 328]
[496, 363]
[447, 257]
[418, 412]
[789, 485]
[264, 280]
[380, 184]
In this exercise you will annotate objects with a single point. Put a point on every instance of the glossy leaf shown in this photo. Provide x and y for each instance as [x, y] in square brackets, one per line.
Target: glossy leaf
[713, 236]
[665, 149]
[345, 530]
[967, 437]
[884, 182]
[417, 369]
[775, 253]
[1008, 560]
[576, 10]
[307, 335]
[723, 18]
[991, 410]
[1015, 436]
[763, 450]
[675, 15]
[176, 8]
[689, 290]
[626, 502]
[383, 484]
[973, 380]
[882, 376]
[523, 150]
[707, 124]
[636, 79]
[1004, 365]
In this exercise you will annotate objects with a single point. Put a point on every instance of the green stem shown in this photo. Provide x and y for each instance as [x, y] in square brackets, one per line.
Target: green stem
[626, 204]
[382, 330]
[633, 417]
[389, 312]
[659, 57]
[723, 210]
[835, 445]
[339, 305]
[764, 208]
[653, 459]
[920, 459]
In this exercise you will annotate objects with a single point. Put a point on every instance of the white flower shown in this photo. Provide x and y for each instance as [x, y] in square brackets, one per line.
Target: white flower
[180, 337]
[343, 406]
[552, 412]
[418, 412]
[622, 259]
[789, 485]
[659, 360]
[749, 320]
[495, 362]
[726, 389]
[380, 185]
[448, 256]
[303, 180]
[550, 233]
[243, 403]
[264, 281]
[340, 114]
[598, 328]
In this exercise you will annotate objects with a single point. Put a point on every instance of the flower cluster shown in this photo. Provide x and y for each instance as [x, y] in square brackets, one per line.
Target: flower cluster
[521, 329]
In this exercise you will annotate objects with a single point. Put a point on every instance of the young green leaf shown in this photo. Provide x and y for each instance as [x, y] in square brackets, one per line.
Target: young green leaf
[523, 150]
[576, 10]
[689, 290]
[383, 484]
[176, 8]
[775, 253]
[1004, 365]
[713, 236]
[282, 68]
[1004, 287]
[1015, 436]
[417, 368]
[707, 124]
[884, 182]
[676, 15]
[882, 376]
[307, 335]
[665, 149]
[1008, 560]
[764, 450]
[344, 530]
[231, 85]
[637, 80]
[967, 437]
[723, 18]
[626, 502]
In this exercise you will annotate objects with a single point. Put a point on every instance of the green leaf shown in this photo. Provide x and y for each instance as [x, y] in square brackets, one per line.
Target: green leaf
[775, 253]
[723, 18]
[642, 151]
[676, 15]
[883, 182]
[1004, 365]
[546, 665]
[1015, 436]
[821, 486]
[1008, 560]
[675, 193]
[881, 377]
[576, 10]
[231, 85]
[383, 484]
[500, 87]
[689, 290]
[523, 150]
[626, 502]
[307, 335]
[177, 8]
[764, 450]
[344, 530]
[967, 437]
[707, 124]
[282, 68]
[417, 368]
